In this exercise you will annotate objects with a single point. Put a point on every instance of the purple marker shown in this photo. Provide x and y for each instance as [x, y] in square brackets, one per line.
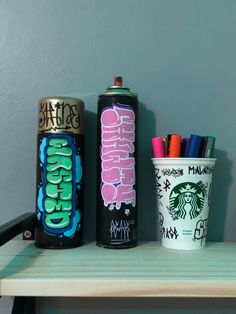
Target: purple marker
[184, 146]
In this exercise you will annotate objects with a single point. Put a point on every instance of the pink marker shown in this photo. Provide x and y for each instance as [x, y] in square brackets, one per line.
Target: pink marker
[158, 147]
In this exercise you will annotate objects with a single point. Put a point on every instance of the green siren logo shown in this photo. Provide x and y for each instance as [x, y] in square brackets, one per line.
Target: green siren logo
[61, 177]
[186, 199]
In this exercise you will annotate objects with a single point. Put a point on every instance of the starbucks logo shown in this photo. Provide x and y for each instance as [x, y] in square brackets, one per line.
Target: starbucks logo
[186, 199]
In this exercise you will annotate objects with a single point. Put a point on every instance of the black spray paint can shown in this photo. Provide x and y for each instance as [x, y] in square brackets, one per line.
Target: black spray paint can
[117, 167]
[59, 187]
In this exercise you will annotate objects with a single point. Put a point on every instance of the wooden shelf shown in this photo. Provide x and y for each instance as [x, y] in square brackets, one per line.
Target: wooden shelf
[145, 271]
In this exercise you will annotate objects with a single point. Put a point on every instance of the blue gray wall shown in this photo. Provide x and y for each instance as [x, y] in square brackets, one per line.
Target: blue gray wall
[179, 55]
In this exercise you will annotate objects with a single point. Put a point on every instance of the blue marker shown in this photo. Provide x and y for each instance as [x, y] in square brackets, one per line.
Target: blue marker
[193, 149]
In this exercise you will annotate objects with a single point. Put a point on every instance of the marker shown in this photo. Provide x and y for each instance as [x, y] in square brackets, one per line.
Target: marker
[168, 144]
[210, 147]
[203, 147]
[158, 148]
[193, 150]
[164, 141]
[184, 146]
[175, 146]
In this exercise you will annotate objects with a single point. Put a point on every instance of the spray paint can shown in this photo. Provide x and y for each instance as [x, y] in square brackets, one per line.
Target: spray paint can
[59, 192]
[117, 167]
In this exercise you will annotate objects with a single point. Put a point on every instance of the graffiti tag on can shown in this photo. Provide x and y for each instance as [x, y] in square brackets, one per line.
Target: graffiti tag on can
[120, 231]
[58, 116]
[117, 150]
[61, 175]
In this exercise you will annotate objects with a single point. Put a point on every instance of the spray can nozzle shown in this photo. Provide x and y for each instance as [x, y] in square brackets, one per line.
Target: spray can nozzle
[118, 81]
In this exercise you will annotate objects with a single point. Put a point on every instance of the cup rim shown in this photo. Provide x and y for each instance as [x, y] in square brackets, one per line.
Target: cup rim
[184, 158]
[184, 161]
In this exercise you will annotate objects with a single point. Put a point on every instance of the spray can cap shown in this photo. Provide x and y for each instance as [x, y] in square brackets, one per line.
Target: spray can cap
[119, 89]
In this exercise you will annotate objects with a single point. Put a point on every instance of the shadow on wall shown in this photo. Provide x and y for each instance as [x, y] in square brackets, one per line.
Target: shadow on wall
[147, 210]
[90, 157]
[90, 153]
[220, 189]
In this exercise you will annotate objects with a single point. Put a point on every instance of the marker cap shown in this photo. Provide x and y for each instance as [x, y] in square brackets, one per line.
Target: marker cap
[184, 146]
[158, 148]
[175, 146]
[210, 147]
[194, 146]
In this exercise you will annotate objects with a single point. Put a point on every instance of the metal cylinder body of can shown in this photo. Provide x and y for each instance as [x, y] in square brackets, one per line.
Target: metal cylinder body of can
[117, 168]
[59, 190]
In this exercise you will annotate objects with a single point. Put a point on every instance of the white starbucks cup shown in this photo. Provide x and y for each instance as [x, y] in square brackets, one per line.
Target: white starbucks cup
[183, 187]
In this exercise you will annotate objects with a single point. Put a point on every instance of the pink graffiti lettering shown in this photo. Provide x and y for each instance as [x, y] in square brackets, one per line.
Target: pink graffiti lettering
[123, 132]
[121, 163]
[124, 145]
[114, 176]
[120, 194]
[116, 116]
[118, 174]
[127, 176]
[111, 176]
[115, 155]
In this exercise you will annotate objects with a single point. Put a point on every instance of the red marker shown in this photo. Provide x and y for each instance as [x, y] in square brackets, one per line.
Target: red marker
[158, 147]
[175, 146]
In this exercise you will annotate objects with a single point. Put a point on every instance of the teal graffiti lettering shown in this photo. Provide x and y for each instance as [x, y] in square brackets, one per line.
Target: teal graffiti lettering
[59, 189]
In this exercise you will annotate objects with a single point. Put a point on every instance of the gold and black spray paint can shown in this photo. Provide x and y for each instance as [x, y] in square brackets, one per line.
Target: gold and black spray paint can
[59, 190]
[117, 167]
